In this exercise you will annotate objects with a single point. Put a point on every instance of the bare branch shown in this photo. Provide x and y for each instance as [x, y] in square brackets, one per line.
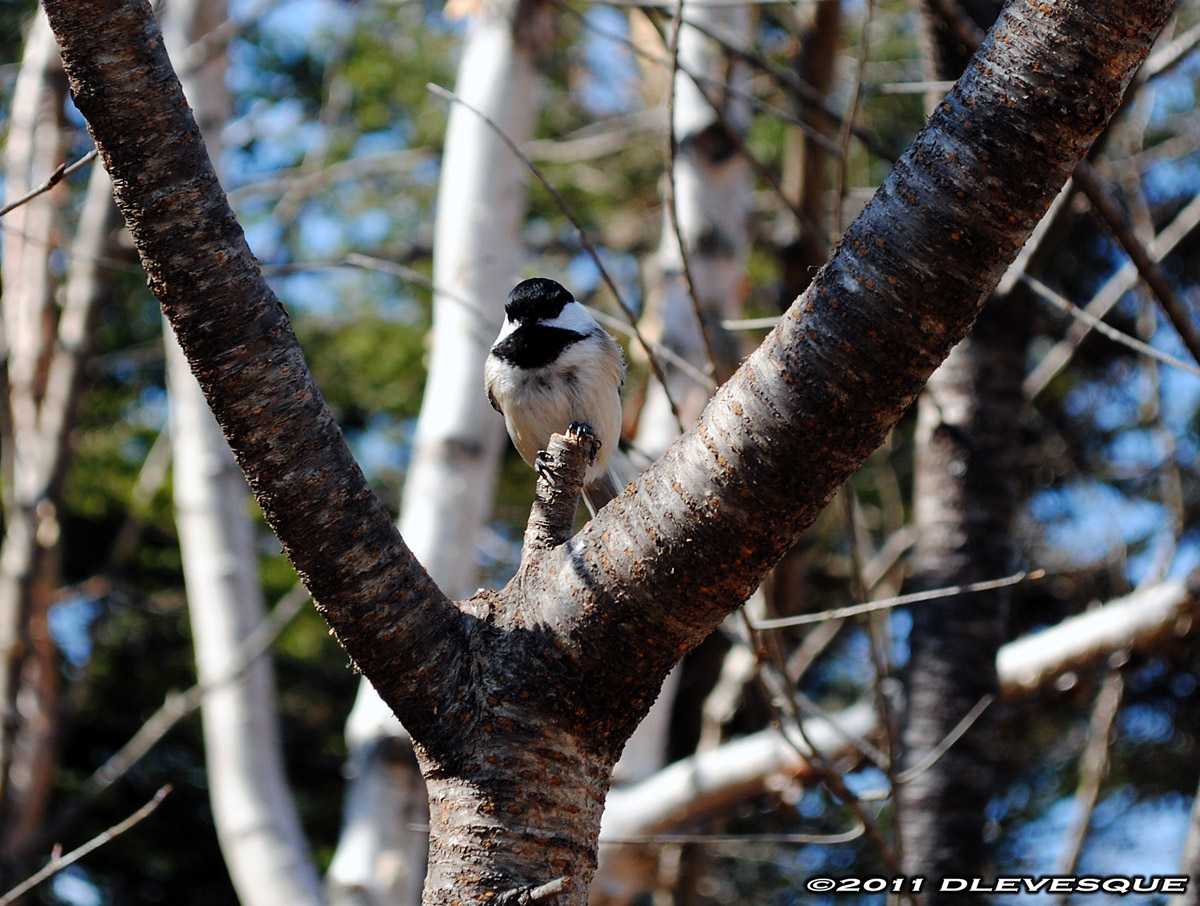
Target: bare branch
[1174, 307]
[708, 783]
[175, 707]
[931, 758]
[61, 172]
[1141, 621]
[1108, 295]
[1093, 765]
[58, 863]
[1059, 301]
[735, 839]
[805, 94]
[854, 610]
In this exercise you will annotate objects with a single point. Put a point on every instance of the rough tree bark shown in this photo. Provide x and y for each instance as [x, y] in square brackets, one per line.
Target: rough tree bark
[253, 810]
[520, 700]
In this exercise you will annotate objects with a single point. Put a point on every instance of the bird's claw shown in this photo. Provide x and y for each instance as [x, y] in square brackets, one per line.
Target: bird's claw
[583, 429]
[543, 466]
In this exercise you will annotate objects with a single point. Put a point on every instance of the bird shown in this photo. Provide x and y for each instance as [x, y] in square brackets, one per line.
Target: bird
[553, 366]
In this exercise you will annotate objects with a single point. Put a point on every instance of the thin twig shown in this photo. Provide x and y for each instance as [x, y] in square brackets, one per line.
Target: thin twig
[879, 659]
[853, 610]
[1093, 765]
[734, 839]
[1182, 226]
[175, 707]
[806, 94]
[781, 700]
[585, 240]
[58, 863]
[1170, 482]
[375, 264]
[61, 172]
[368, 263]
[934, 755]
[208, 46]
[1086, 180]
[1172, 305]
[848, 119]
[765, 173]
[668, 354]
[1099, 326]
[811, 709]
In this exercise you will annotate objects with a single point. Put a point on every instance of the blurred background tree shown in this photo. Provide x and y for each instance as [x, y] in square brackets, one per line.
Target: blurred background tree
[332, 159]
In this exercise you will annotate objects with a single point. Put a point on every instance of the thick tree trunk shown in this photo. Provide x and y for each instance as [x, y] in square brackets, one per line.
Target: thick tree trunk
[966, 489]
[519, 701]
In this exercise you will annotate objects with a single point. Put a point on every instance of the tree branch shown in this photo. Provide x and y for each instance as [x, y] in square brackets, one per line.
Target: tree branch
[61, 172]
[561, 469]
[708, 519]
[57, 863]
[1175, 308]
[338, 534]
[1141, 621]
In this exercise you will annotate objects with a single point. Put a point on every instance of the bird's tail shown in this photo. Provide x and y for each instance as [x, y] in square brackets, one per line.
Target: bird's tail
[601, 491]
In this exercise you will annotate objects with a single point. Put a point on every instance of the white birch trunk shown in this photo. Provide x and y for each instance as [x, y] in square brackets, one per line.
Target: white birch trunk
[28, 670]
[257, 826]
[33, 150]
[712, 205]
[456, 449]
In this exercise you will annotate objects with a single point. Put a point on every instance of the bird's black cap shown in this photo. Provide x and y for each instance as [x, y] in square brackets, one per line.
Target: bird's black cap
[536, 299]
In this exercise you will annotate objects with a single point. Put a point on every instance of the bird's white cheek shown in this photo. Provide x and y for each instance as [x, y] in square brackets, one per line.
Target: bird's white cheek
[506, 328]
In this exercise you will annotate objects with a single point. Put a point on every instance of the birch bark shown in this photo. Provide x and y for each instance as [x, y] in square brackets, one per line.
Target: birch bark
[253, 809]
[43, 348]
[458, 440]
[703, 248]
[705, 236]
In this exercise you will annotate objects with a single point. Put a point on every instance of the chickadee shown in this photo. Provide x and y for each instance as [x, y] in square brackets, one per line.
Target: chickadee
[552, 365]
